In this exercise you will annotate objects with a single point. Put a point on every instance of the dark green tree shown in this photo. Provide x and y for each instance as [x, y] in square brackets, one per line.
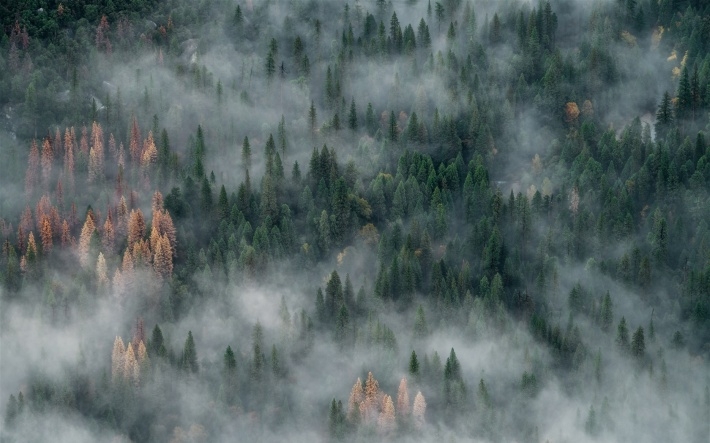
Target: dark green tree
[638, 344]
[189, 355]
[622, 336]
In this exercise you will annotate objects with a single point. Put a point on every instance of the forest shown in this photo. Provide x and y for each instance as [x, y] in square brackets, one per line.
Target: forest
[356, 220]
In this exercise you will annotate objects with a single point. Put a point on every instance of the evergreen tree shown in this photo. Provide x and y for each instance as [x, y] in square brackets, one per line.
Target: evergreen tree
[622, 335]
[189, 355]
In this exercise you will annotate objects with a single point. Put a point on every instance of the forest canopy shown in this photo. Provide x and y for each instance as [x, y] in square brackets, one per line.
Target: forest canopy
[491, 216]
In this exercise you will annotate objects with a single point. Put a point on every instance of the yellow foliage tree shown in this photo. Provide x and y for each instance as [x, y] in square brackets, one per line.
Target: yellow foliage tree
[85, 240]
[386, 421]
[402, 399]
[419, 410]
[357, 395]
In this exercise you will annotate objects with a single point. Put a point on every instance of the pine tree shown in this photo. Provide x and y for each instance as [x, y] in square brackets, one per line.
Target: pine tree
[131, 370]
[135, 142]
[414, 365]
[386, 420]
[336, 420]
[638, 344]
[136, 226]
[352, 116]
[270, 66]
[85, 240]
[101, 271]
[189, 355]
[402, 400]
[45, 234]
[664, 116]
[419, 410]
[117, 359]
[163, 259]
[606, 316]
[108, 236]
[156, 341]
[622, 335]
[246, 154]
[230, 376]
[312, 118]
[369, 407]
[421, 329]
[357, 395]
[684, 103]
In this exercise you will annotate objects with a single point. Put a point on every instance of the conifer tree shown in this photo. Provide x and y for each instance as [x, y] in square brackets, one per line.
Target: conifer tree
[369, 406]
[101, 271]
[419, 410]
[622, 335]
[163, 259]
[117, 358]
[402, 399]
[108, 236]
[606, 315]
[357, 395]
[386, 420]
[352, 116]
[638, 344]
[136, 226]
[189, 355]
[85, 240]
[414, 365]
[45, 234]
[131, 370]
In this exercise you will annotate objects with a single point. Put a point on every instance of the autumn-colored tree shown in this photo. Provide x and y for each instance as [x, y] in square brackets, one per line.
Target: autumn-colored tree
[419, 410]
[108, 236]
[85, 240]
[571, 112]
[369, 406]
[136, 226]
[156, 204]
[96, 153]
[150, 152]
[102, 41]
[386, 421]
[43, 208]
[134, 144]
[131, 371]
[32, 170]
[31, 250]
[69, 157]
[46, 160]
[165, 226]
[403, 400]
[357, 395]
[45, 234]
[117, 357]
[101, 271]
[66, 235]
[163, 259]
[143, 360]
[154, 238]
